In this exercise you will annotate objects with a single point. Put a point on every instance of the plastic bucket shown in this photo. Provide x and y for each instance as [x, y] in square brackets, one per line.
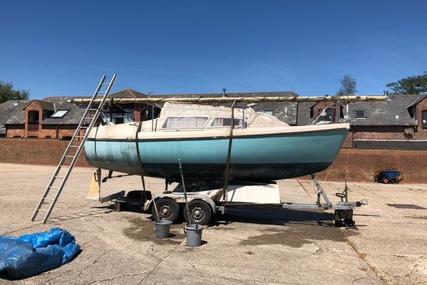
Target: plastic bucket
[194, 234]
[162, 228]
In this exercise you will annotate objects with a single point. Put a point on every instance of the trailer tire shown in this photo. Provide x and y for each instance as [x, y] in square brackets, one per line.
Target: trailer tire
[200, 212]
[168, 209]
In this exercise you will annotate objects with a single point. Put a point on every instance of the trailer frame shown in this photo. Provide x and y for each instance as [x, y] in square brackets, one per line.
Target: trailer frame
[342, 210]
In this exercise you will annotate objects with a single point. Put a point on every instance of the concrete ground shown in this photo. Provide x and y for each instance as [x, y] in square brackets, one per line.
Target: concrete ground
[257, 246]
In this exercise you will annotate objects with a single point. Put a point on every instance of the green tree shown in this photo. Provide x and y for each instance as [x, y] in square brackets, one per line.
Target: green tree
[8, 93]
[348, 86]
[409, 85]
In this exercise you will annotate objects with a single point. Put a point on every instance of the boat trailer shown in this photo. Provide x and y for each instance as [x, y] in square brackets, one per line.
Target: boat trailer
[204, 202]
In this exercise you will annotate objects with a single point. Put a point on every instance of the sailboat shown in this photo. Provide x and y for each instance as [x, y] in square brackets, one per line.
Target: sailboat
[257, 146]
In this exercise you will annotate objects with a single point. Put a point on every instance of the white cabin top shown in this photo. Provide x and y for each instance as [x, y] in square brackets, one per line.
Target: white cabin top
[176, 116]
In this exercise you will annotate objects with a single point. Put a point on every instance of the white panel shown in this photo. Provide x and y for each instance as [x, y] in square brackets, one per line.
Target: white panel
[258, 194]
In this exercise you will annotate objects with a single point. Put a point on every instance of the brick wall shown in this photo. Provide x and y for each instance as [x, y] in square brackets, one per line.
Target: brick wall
[421, 132]
[378, 132]
[16, 131]
[45, 132]
[361, 164]
[34, 151]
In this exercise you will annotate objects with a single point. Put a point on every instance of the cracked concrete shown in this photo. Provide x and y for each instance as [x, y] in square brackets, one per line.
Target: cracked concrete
[258, 246]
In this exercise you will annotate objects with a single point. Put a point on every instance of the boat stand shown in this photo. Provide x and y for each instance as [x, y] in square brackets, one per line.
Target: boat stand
[343, 210]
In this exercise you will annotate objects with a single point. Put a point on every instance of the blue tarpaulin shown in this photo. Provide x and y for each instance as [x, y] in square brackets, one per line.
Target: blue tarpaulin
[31, 254]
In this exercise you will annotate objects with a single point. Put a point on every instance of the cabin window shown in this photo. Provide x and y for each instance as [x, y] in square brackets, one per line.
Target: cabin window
[120, 118]
[185, 123]
[424, 119]
[226, 122]
[268, 112]
[359, 114]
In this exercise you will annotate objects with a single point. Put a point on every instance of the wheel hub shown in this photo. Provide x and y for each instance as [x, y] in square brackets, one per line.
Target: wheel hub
[197, 213]
[165, 211]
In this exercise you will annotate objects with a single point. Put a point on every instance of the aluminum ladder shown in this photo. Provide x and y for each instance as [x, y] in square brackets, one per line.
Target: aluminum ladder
[73, 150]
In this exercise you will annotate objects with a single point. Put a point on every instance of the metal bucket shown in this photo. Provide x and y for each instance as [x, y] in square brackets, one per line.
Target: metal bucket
[162, 228]
[194, 234]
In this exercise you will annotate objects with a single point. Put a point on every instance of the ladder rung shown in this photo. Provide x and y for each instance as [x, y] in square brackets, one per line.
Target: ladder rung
[92, 109]
[70, 156]
[60, 177]
[74, 145]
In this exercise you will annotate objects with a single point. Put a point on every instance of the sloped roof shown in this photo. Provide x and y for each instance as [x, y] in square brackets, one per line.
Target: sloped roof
[48, 106]
[72, 117]
[418, 99]
[393, 112]
[10, 109]
[12, 112]
[284, 111]
[128, 93]
[16, 114]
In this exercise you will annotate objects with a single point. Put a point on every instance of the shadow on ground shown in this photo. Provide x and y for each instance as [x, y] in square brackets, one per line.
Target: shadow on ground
[275, 215]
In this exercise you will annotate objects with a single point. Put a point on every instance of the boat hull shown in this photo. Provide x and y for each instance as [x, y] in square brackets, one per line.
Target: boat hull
[254, 157]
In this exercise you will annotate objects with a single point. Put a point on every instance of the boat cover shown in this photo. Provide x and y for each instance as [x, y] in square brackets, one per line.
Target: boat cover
[31, 254]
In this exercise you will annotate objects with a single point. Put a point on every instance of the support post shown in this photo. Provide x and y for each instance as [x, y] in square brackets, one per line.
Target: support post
[94, 192]
[186, 210]
[320, 192]
[227, 166]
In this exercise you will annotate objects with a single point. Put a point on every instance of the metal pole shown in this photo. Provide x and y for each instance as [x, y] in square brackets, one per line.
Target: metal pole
[243, 119]
[227, 167]
[186, 210]
[152, 118]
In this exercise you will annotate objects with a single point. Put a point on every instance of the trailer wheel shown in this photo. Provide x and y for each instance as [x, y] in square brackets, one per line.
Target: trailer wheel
[168, 209]
[200, 212]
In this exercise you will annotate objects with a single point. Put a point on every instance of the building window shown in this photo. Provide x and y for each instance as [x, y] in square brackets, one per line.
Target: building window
[425, 119]
[59, 114]
[326, 115]
[359, 114]
[33, 117]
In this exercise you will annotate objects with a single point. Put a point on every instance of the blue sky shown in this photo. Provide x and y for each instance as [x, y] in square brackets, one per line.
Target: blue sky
[56, 48]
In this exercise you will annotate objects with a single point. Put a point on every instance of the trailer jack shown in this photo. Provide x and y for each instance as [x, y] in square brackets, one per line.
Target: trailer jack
[343, 210]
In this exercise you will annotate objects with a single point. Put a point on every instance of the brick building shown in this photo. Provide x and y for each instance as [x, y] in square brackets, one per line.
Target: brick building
[56, 118]
[398, 123]
[53, 118]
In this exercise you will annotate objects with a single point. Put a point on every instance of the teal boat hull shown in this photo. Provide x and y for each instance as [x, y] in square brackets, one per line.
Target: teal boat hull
[256, 158]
